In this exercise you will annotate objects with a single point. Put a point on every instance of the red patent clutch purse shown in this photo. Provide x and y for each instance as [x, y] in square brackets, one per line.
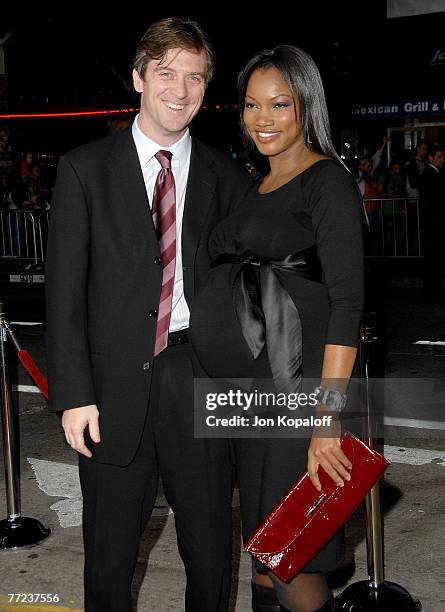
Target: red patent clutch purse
[306, 519]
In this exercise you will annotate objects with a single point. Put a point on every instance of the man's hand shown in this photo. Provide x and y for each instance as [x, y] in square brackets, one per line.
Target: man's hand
[327, 452]
[74, 422]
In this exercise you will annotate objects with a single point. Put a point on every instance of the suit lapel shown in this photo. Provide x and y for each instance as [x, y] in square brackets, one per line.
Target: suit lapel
[201, 186]
[127, 175]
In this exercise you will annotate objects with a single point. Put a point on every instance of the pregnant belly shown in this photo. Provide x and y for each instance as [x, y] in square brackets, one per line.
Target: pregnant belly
[215, 332]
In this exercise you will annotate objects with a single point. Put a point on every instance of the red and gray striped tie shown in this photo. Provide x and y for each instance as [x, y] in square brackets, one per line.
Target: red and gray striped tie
[163, 212]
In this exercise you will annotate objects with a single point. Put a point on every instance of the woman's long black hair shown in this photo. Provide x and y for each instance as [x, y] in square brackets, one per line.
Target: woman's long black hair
[300, 72]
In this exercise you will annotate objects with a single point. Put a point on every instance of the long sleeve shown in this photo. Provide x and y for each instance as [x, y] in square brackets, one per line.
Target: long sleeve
[66, 269]
[337, 219]
[376, 158]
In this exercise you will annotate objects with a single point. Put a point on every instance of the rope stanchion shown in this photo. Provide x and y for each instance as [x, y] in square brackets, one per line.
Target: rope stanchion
[16, 531]
[28, 363]
[375, 594]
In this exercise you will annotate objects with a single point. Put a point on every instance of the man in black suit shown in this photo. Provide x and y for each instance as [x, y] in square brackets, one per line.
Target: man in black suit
[432, 209]
[128, 413]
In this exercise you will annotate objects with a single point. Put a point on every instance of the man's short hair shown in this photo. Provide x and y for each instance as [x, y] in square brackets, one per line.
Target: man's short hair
[173, 33]
[435, 148]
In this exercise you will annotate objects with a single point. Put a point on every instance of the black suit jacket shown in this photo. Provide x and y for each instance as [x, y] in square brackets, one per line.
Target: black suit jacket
[103, 277]
[432, 208]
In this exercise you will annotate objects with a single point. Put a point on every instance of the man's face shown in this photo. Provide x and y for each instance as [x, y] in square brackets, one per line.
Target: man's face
[422, 151]
[172, 93]
[437, 159]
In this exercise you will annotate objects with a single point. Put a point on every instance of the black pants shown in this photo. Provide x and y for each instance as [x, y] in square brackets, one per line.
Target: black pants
[197, 480]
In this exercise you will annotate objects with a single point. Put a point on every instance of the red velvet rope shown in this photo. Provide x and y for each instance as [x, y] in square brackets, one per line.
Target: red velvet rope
[34, 371]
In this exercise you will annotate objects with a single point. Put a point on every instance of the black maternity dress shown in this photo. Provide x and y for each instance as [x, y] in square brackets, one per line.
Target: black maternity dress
[319, 208]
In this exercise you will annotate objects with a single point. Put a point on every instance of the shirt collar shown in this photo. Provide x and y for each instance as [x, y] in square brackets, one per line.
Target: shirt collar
[435, 168]
[148, 148]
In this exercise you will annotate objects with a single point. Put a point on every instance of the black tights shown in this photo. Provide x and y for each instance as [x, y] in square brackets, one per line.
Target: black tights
[308, 592]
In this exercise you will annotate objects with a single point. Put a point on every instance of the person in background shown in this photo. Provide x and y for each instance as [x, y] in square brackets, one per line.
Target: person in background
[6, 193]
[392, 184]
[35, 199]
[25, 172]
[432, 214]
[366, 179]
[415, 167]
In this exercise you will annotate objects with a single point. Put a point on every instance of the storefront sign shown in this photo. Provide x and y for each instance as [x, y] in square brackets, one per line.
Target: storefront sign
[405, 108]
[438, 58]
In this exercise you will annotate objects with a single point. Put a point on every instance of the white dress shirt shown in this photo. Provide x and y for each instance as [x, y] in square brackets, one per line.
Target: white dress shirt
[180, 164]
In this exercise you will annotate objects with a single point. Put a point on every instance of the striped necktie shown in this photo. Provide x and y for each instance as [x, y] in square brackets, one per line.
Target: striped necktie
[163, 212]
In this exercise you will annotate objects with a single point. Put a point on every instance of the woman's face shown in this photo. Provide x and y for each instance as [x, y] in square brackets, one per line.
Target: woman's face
[271, 113]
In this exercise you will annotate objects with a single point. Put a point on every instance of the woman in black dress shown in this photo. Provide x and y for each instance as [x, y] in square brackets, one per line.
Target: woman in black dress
[305, 213]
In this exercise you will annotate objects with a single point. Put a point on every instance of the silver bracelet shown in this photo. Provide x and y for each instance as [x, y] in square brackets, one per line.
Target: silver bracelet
[330, 398]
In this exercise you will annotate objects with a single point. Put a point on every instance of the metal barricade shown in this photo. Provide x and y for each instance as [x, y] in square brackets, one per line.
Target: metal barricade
[43, 228]
[21, 235]
[394, 227]
[394, 231]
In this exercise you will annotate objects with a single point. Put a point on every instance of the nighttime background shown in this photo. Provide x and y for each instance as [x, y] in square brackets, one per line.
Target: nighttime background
[81, 61]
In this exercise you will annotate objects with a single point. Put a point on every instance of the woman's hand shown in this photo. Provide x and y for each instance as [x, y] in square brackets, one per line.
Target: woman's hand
[327, 452]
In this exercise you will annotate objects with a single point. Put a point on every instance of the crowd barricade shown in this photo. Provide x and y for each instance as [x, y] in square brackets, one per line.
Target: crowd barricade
[394, 227]
[43, 227]
[394, 231]
[23, 235]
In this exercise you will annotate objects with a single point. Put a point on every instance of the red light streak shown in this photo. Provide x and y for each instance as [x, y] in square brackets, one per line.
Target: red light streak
[99, 113]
